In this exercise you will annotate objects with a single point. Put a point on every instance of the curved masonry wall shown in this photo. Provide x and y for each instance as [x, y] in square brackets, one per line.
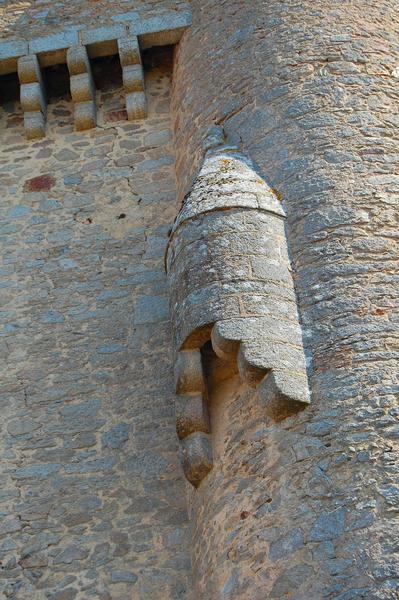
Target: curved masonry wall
[306, 508]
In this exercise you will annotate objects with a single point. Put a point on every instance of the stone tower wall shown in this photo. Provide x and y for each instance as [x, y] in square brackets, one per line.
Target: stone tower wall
[308, 90]
[289, 220]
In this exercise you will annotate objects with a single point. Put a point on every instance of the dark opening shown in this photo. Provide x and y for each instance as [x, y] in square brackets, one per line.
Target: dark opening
[56, 82]
[107, 72]
[9, 88]
[157, 56]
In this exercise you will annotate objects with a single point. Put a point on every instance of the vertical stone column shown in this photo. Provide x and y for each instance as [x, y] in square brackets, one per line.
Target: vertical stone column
[133, 77]
[82, 88]
[32, 96]
[306, 507]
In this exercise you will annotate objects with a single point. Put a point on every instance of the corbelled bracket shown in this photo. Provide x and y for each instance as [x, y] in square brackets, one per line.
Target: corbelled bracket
[230, 282]
[82, 88]
[32, 96]
[74, 45]
[133, 77]
[192, 418]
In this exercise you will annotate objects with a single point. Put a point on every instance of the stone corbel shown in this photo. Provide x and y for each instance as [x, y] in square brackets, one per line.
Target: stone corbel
[133, 77]
[32, 96]
[230, 282]
[82, 88]
[192, 417]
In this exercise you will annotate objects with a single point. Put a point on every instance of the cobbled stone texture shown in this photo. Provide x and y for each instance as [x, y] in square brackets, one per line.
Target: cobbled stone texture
[32, 19]
[92, 496]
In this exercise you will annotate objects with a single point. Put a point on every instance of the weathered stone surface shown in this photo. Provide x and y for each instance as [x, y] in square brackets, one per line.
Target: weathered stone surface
[91, 488]
[189, 375]
[41, 183]
[129, 51]
[197, 460]
[299, 508]
[82, 88]
[78, 60]
[230, 218]
[191, 415]
[102, 34]
[133, 78]
[85, 115]
[302, 93]
[32, 96]
[29, 69]
[136, 106]
[61, 40]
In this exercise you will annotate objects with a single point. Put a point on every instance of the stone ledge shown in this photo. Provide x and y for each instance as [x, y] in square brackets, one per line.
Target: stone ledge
[10, 51]
[56, 41]
[167, 28]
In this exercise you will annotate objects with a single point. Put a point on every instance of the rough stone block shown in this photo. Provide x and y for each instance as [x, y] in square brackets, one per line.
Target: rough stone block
[133, 79]
[136, 106]
[29, 69]
[191, 415]
[85, 115]
[161, 38]
[188, 372]
[197, 459]
[166, 28]
[82, 89]
[57, 41]
[32, 98]
[13, 49]
[102, 34]
[78, 60]
[102, 41]
[129, 51]
[166, 21]
[10, 51]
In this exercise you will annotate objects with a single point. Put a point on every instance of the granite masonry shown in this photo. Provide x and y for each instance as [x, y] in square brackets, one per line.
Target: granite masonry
[199, 332]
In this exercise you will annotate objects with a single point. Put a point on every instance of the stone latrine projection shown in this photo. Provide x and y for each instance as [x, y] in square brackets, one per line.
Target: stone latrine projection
[230, 282]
